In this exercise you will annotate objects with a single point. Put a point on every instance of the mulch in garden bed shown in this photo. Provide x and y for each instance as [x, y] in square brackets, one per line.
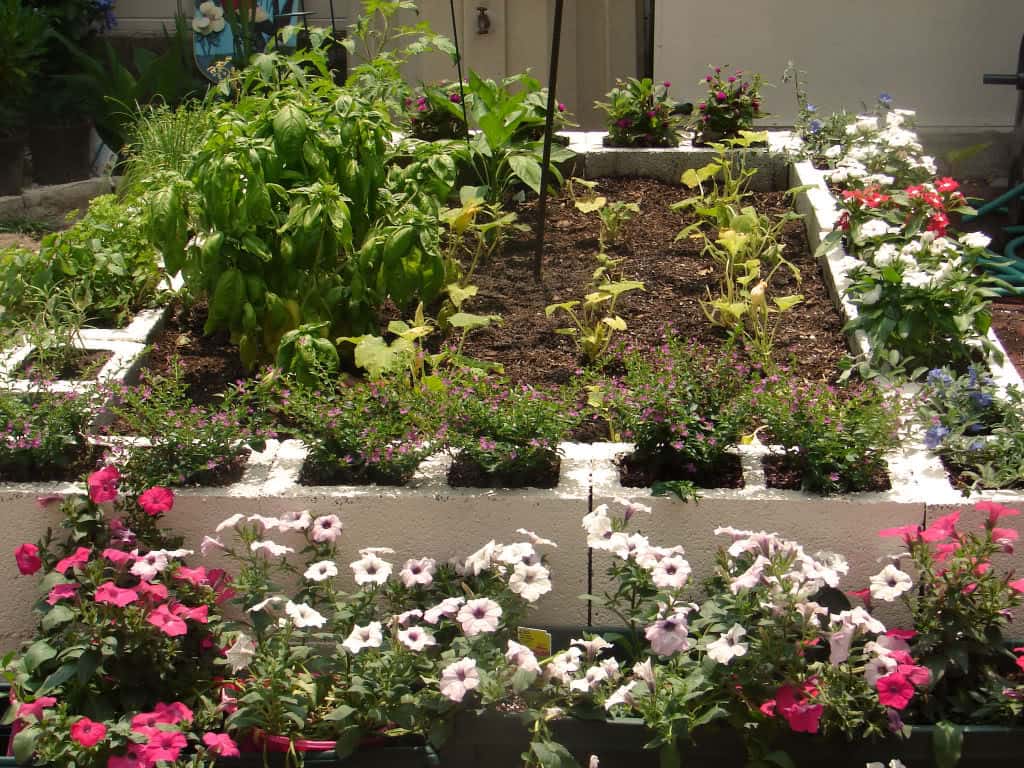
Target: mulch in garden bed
[676, 276]
[642, 472]
[781, 472]
[80, 365]
[1008, 323]
[466, 473]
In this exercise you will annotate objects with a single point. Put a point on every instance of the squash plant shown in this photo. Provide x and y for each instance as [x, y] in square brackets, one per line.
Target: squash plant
[289, 215]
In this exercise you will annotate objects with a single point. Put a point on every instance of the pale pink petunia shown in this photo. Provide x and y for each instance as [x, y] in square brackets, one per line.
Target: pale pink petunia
[418, 573]
[459, 678]
[326, 529]
[359, 638]
[370, 569]
[479, 616]
[416, 638]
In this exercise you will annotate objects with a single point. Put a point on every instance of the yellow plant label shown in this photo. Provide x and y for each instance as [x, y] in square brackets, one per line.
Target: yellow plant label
[537, 640]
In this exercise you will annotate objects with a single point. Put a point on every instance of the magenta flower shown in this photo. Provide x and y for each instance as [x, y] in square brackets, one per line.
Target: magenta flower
[62, 592]
[167, 622]
[111, 594]
[894, 690]
[194, 576]
[156, 500]
[87, 732]
[35, 708]
[721, 96]
[103, 484]
[27, 558]
[79, 558]
[220, 744]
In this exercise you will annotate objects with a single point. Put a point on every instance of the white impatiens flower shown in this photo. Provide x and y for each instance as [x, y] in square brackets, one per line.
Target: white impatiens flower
[370, 570]
[890, 584]
[321, 571]
[728, 646]
[241, 652]
[326, 529]
[975, 240]
[885, 254]
[671, 572]
[530, 581]
[418, 572]
[230, 522]
[479, 616]
[873, 228]
[416, 638]
[359, 638]
[459, 678]
[303, 615]
[871, 297]
[271, 548]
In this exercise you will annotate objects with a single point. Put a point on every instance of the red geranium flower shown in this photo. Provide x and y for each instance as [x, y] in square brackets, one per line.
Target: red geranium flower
[87, 732]
[27, 558]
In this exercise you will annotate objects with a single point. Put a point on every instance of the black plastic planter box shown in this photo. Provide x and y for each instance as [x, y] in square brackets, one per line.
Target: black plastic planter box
[381, 757]
[497, 740]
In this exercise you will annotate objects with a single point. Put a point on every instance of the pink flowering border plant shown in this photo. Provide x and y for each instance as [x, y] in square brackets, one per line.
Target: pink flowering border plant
[121, 670]
[731, 105]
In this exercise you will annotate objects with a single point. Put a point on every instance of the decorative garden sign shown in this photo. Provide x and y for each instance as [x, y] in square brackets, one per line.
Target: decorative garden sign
[219, 30]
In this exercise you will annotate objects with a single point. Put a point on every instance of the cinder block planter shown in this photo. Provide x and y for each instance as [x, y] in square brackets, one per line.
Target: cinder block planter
[497, 740]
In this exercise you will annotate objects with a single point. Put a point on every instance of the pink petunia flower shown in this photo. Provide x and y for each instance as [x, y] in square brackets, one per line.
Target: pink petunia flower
[111, 594]
[156, 500]
[62, 592]
[87, 732]
[995, 511]
[894, 690]
[459, 678]
[27, 558]
[118, 557]
[167, 622]
[103, 484]
[80, 557]
[220, 744]
[35, 708]
[194, 576]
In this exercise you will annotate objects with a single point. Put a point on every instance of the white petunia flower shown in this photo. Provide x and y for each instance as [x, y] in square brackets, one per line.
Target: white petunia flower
[370, 570]
[359, 638]
[416, 638]
[890, 584]
[459, 678]
[271, 548]
[241, 653]
[303, 615]
[230, 522]
[418, 572]
[321, 571]
[728, 646]
[530, 581]
[479, 616]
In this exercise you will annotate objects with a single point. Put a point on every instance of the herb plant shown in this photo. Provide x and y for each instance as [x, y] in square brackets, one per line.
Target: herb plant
[510, 432]
[836, 438]
[641, 114]
[358, 432]
[43, 433]
[188, 444]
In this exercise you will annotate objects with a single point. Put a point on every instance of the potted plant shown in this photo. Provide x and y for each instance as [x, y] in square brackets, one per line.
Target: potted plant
[642, 114]
[60, 115]
[732, 105]
[22, 36]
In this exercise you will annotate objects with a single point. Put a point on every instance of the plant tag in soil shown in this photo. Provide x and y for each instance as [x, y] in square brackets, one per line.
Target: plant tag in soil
[537, 640]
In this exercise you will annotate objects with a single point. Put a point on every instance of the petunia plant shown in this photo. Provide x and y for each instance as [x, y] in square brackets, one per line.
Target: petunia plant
[961, 602]
[392, 653]
[125, 628]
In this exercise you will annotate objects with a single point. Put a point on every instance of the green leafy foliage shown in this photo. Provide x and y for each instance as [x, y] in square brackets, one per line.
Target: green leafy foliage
[22, 47]
[641, 114]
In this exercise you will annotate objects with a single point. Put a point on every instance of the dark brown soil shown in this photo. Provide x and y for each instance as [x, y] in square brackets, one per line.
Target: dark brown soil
[81, 365]
[676, 275]
[77, 465]
[781, 472]
[225, 474]
[466, 473]
[315, 472]
[637, 471]
[209, 364]
[1008, 323]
